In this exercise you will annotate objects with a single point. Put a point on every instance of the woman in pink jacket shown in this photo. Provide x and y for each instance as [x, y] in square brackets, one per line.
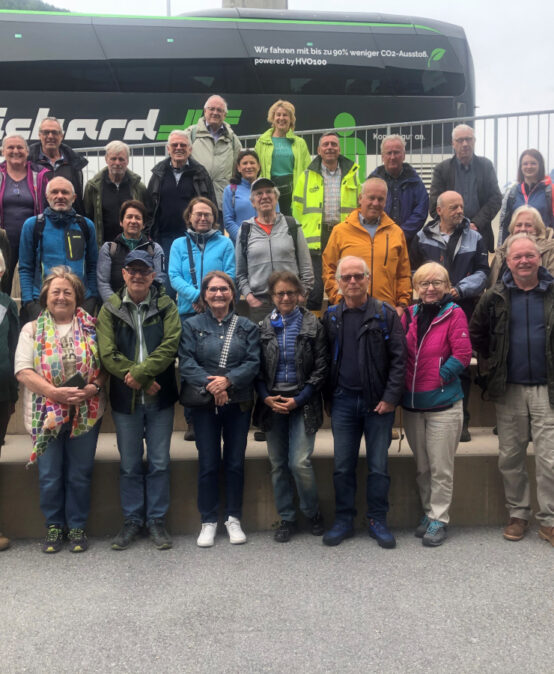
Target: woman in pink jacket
[439, 349]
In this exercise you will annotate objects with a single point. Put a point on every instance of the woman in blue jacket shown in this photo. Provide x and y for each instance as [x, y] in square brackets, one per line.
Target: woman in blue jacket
[237, 206]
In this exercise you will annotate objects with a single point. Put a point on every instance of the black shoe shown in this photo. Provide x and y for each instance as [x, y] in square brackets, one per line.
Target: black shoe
[316, 522]
[126, 535]
[159, 536]
[285, 531]
[189, 433]
[54, 539]
[77, 540]
[465, 435]
[259, 436]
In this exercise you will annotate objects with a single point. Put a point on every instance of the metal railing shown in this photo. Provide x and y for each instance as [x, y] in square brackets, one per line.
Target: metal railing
[501, 138]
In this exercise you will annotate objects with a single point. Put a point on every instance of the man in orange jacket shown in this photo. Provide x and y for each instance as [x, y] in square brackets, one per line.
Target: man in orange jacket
[369, 233]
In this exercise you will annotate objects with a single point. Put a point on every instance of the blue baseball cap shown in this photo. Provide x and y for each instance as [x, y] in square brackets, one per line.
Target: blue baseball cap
[139, 256]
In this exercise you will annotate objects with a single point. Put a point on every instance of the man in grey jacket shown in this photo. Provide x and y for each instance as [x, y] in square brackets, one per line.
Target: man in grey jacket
[215, 145]
[266, 243]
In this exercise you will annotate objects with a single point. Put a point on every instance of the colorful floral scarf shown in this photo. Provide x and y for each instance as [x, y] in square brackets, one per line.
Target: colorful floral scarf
[48, 417]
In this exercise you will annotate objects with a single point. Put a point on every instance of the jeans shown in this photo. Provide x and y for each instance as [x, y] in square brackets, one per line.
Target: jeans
[233, 424]
[290, 449]
[65, 474]
[349, 421]
[166, 241]
[144, 494]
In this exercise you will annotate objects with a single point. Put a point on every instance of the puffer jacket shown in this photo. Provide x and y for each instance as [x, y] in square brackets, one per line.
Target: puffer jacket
[311, 358]
[433, 367]
[264, 149]
[218, 157]
[386, 255]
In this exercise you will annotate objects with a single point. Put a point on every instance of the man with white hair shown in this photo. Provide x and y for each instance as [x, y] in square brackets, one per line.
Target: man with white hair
[215, 145]
[512, 328]
[407, 200]
[474, 178]
[60, 160]
[174, 182]
[109, 189]
[59, 236]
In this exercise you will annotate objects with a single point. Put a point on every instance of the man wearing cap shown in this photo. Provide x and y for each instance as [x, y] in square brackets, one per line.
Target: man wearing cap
[269, 242]
[138, 333]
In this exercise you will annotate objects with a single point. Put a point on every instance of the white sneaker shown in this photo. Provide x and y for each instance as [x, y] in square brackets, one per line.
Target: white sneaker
[236, 534]
[207, 535]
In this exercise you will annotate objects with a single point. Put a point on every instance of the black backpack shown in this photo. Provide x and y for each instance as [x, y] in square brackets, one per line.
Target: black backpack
[293, 231]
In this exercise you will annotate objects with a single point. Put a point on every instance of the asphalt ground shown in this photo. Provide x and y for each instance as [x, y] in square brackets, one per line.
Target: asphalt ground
[476, 604]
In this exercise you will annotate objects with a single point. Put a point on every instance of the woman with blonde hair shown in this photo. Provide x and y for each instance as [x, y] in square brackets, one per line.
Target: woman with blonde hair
[283, 155]
[438, 351]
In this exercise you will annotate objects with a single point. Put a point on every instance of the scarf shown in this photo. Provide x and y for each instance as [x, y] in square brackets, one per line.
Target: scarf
[48, 416]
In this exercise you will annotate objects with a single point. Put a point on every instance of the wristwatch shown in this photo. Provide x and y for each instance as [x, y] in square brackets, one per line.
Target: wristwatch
[98, 388]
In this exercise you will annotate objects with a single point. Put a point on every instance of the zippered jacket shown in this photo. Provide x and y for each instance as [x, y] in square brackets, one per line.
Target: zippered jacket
[540, 198]
[37, 179]
[433, 367]
[264, 149]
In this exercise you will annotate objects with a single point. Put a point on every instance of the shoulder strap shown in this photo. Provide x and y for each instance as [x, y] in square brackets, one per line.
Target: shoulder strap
[112, 248]
[244, 234]
[38, 229]
[227, 342]
[233, 194]
[83, 226]
[192, 266]
[381, 319]
[293, 231]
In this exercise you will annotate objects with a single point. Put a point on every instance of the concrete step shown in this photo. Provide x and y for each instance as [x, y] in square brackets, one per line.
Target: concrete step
[478, 492]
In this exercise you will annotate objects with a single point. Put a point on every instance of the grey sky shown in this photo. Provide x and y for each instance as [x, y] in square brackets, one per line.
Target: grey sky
[511, 44]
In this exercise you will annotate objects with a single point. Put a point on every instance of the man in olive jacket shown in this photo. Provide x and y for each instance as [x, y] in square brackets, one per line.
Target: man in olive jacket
[138, 333]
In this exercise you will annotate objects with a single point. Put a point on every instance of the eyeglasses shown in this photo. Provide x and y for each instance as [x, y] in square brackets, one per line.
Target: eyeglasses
[203, 216]
[358, 276]
[175, 146]
[138, 271]
[286, 293]
[465, 139]
[436, 284]
[48, 132]
[218, 289]
[212, 109]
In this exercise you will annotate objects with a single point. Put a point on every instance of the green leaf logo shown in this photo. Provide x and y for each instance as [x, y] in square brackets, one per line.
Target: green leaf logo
[436, 55]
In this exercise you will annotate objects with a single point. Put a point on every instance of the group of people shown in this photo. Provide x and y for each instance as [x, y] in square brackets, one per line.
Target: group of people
[164, 266]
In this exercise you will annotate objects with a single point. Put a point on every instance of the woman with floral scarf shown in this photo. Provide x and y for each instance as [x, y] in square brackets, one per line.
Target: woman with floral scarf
[57, 362]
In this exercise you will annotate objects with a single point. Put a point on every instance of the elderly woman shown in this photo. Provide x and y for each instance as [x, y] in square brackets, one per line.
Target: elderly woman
[237, 206]
[269, 242]
[57, 361]
[532, 188]
[283, 155]
[289, 408]
[112, 253]
[22, 194]
[438, 350]
[219, 359]
[9, 332]
[525, 220]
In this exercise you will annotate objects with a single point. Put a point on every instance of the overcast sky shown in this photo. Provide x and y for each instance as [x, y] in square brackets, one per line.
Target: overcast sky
[511, 43]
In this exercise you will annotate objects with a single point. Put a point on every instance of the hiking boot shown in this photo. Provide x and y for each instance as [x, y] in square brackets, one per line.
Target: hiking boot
[236, 534]
[435, 534]
[54, 539]
[547, 534]
[515, 529]
[381, 533]
[126, 535]
[422, 527]
[339, 532]
[77, 540]
[159, 536]
[4, 542]
[316, 523]
[284, 531]
[207, 535]
[189, 433]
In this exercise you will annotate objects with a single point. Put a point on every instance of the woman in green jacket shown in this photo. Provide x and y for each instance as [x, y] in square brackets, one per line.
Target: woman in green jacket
[283, 155]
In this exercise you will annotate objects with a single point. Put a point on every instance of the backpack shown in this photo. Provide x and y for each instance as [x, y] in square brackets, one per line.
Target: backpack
[292, 225]
[38, 230]
[113, 249]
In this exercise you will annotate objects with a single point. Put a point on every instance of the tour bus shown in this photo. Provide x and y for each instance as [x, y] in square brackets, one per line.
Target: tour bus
[136, 78]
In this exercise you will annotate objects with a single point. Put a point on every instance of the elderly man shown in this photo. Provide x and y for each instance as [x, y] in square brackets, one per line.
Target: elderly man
[367, 344]
[452, 242]
[138, 332]
[474, 178]
[215, 145]
[59, 158]
[174, 182]
[56, 237]
[109, 189]
[513, 328]
[369, 233]
[407, 199]
[269, 242]
[325, 193]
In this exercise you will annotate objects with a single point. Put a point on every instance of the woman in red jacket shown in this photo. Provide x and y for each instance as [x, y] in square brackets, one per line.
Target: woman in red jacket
[438, 350]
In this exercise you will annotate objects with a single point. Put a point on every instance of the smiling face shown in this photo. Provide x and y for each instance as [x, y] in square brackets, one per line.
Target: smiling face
[132, 223]
[248, 168]
[60, 194]
[353, 282]
[51, 136]
[138, 278]
[285, 297]
[525, 223]
[431, 288]
[264, 200]
[60, 300]
[373, 199]
[329, 150]
[523, 261]
[530, 169]
[201, 218]
[14, 151]
[179, 149]
[282, 120]
[215, 111]
[218, 296]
